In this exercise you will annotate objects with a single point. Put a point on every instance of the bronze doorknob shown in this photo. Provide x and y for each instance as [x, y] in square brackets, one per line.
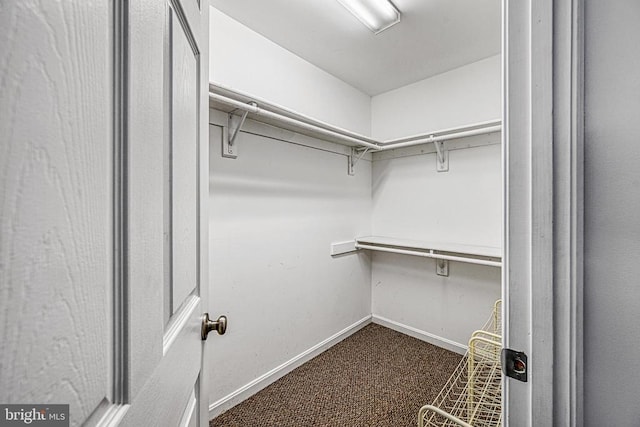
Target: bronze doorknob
[220, 325]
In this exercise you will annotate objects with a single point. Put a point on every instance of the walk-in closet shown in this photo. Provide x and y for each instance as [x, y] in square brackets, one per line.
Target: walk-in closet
[286, 213]
[355, 213]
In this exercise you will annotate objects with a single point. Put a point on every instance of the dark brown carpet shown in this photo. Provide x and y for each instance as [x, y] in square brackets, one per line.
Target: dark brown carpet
[376, 377]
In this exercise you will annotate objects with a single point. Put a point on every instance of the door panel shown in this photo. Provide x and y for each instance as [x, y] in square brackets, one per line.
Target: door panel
[164, 397]
[192, 10]
[184, 121]
[96, 98]
[143, 191]
[56, 211]
[190, 417]
[169, 394]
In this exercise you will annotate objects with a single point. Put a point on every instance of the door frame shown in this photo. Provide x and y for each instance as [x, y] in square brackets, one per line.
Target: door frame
[543, 63]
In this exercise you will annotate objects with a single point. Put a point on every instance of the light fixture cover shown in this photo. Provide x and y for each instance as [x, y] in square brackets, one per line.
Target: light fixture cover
[377, 15]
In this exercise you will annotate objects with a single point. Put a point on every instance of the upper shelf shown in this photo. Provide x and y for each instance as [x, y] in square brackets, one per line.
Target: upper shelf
[229, 100]
[483, 255]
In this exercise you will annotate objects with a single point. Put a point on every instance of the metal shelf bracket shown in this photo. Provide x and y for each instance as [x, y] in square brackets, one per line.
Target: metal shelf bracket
[442, 267]
[442, 156]
[354, 158]
[229, 148]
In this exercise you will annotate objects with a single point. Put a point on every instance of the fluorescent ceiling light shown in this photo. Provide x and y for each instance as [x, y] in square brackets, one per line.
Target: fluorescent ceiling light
[377, 15]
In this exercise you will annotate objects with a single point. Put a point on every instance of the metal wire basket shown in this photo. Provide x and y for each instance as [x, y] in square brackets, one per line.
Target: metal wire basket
[472, 397]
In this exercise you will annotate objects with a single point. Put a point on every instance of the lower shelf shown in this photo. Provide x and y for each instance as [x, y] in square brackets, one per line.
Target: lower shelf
[482, 255]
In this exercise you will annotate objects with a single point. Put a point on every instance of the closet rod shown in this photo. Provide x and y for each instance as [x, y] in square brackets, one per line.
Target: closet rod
[221, 89]
[315, 128]
[430, 255]
[308, 123]
[479, 125]
[442, 137]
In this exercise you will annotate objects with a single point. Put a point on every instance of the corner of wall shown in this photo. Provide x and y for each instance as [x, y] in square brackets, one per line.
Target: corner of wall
[467, 94]
[256, 65]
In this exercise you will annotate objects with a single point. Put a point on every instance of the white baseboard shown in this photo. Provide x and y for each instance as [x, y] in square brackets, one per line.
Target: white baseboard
[248, 390]
[421, 335]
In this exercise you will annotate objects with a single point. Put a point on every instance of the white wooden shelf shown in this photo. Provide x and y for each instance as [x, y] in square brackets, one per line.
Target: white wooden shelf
[244, 105]
[483, 255]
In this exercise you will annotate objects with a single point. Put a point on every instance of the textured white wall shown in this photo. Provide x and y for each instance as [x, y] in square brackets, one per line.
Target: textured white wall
[612, 203]
[413, 201]
[407, 290]
[274, 212]
[465, 95]
[245, 60]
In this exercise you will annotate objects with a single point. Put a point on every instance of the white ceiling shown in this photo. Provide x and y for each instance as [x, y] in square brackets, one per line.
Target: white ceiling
[434, 36]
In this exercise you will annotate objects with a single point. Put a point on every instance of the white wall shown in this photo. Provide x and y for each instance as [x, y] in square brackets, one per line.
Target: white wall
[278, 207]
[612, 203]
[274, 212]
[245, 60]
[465, 95]
[413, 201]
[445, 310]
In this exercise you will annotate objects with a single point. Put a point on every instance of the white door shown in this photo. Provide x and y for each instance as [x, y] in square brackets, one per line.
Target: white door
[103, 165]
